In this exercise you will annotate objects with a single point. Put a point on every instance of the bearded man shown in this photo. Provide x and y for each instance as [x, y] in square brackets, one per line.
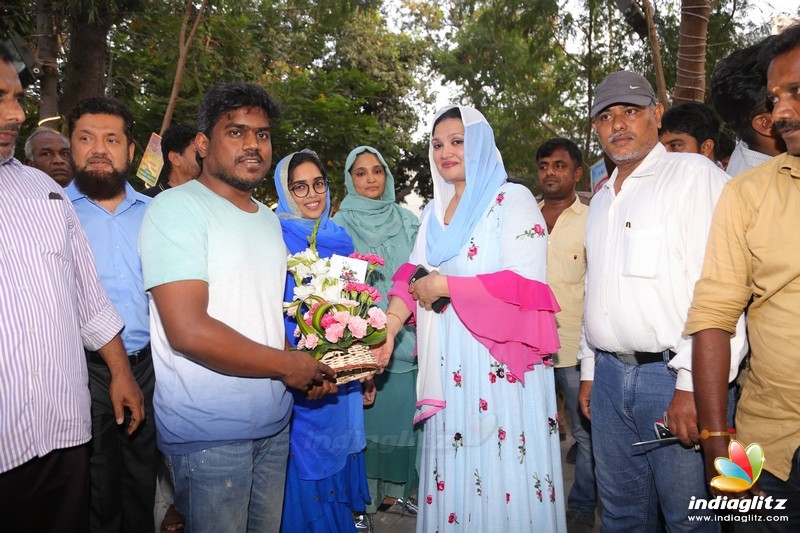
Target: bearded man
[122, 467]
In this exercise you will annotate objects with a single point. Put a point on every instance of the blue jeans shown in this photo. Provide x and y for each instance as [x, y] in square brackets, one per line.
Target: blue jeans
[635, 483]
[232, 488]
[779, 489]
[583, 495]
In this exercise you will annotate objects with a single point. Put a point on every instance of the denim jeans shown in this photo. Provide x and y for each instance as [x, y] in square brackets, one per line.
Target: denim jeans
[583, 495]
[635, 483]
[778, 489]
[232, 488]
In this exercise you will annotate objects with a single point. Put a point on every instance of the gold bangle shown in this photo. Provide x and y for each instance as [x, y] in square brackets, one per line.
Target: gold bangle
[705, 434]
[396, 316]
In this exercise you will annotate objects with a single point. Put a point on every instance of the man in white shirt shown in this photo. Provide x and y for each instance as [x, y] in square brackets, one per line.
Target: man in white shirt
[645, 240]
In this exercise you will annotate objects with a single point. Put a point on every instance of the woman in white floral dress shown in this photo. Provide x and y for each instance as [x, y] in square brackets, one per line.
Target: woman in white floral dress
[490, 447]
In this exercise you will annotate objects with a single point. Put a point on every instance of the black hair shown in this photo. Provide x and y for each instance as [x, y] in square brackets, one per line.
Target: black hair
[305, 156]
[784, 42]
[548, 147]
[739, 89]
[5, 55]
[453, 112]
[176, 139]
[100, 105]
[226, 97]
[725, 147]
[692, 118]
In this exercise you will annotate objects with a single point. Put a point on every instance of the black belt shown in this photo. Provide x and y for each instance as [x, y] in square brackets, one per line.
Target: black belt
[644, 358]
[134, 358]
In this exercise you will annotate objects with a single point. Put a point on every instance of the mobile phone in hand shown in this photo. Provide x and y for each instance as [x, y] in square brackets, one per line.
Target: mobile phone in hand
[439, 305]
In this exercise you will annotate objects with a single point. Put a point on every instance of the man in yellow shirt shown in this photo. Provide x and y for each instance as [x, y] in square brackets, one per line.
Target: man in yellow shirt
[560, 169]
[753, 258]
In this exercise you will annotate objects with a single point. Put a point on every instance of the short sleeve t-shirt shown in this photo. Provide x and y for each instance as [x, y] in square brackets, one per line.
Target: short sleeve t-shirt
[191, 233]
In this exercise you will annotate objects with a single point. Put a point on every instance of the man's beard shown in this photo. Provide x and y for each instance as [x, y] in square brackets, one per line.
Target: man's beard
[10, 150]
[238, 183]
[101, 185]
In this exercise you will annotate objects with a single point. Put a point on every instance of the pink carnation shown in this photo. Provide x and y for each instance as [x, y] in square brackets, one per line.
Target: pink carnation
[373, 259]
[311, 341]
[358, 327]
[297, 331]
[307, 317]
[301, 343]
[374, 294]
[362, 288]
[327, 320]
[334, 332]
[342, 317]
[377, 318]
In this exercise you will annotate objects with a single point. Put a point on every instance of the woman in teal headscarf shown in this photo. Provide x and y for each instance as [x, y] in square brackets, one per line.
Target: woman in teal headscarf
[378, 225]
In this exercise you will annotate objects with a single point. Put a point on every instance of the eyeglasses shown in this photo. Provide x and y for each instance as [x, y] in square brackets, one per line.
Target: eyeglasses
[301, 190]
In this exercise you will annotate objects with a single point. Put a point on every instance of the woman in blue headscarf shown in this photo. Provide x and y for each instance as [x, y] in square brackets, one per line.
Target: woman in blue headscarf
[491, 458]
[325, 479]
[380, 226]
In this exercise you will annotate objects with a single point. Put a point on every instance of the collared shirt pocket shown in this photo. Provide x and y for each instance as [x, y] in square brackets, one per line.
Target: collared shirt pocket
[642, 252]
[573, 265]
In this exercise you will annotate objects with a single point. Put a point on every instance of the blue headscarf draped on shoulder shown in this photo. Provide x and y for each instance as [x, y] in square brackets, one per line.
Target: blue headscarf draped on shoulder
[331, 238]
[485, 173]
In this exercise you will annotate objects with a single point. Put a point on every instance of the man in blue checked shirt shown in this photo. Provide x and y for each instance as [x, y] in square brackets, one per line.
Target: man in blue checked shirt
[122, 466]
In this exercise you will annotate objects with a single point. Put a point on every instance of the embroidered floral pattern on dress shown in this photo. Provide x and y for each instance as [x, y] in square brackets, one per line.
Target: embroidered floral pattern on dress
[483, 405]
[535, 232]
[457, 377]
[478, 490]
[497, 202]
[439, 482]
[452, 519]
[458, 442]
[472, 251]
[498, 371]
[551, 488]
[553, 424]
[537, 485]
[521, 448]
[501, 436]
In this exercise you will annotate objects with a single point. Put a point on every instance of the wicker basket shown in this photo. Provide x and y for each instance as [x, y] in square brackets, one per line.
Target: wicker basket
[356, 363]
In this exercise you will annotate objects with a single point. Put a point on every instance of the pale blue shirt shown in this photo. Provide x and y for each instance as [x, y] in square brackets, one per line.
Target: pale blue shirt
[114, 240]
[192, 233]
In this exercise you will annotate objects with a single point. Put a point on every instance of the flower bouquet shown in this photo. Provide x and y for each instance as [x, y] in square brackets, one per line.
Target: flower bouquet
[334, 308]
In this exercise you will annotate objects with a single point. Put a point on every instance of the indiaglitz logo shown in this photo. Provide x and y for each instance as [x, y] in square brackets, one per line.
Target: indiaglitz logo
[741, 469]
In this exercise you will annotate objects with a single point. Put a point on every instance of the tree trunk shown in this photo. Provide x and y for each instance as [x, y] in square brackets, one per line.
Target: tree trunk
[184, 43]
[661, 85]
[84, 71]
[47, 49]
[691, 83]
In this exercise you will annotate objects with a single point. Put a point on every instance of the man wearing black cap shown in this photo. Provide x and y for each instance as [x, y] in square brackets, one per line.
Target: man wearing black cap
[645, 240]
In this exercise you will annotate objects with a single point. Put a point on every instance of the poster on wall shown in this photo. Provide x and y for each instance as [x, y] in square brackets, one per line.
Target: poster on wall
[598, 175]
